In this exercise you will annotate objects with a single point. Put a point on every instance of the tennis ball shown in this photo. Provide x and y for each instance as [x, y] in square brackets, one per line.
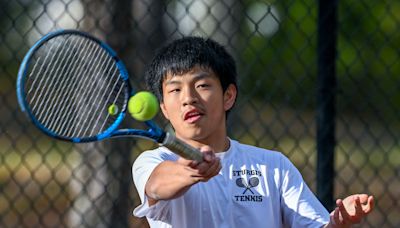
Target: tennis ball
[143, 106]
[113, 109]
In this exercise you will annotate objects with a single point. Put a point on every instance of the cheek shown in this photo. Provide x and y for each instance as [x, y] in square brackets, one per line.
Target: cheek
[164, 111]
[218, 107]
[171, 109]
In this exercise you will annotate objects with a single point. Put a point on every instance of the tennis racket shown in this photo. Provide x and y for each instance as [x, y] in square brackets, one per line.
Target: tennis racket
[66, 83]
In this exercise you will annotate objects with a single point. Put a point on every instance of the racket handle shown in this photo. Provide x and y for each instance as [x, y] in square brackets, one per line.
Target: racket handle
[181, 148]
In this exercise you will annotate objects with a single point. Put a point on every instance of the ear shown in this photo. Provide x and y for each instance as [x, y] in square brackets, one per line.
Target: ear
[164, 110]
[230, 97]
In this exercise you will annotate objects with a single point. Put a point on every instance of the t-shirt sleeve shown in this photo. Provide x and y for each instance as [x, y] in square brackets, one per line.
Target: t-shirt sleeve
[141, 171]
[299, 205]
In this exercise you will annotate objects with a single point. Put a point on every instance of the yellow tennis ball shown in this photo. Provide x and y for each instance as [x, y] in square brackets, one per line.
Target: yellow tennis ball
[143, 106]
[113, 109]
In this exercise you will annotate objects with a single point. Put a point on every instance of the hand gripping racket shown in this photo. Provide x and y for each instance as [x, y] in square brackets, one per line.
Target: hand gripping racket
[66, 84]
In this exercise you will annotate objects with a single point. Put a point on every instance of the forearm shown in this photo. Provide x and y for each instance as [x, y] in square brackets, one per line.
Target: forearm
[169, 180]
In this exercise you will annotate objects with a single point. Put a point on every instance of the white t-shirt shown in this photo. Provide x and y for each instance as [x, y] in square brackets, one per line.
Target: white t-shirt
[255, 188]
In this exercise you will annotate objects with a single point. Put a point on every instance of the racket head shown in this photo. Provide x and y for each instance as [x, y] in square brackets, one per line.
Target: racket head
[241, 182]
[66, 84]
[254, 181]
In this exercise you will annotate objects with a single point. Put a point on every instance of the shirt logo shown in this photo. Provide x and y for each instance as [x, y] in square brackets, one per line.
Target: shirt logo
[253, 182]
[247, 180]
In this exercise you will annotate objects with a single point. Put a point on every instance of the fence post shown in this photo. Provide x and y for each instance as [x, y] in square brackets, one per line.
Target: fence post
[326, 90]
[119, 162]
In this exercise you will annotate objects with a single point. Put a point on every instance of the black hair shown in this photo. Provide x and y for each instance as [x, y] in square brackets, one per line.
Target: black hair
[182, 55]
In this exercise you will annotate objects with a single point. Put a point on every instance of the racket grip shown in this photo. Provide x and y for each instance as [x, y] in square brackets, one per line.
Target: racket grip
[181, 148]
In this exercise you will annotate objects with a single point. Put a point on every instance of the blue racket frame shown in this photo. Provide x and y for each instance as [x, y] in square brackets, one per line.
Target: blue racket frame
[154, 132]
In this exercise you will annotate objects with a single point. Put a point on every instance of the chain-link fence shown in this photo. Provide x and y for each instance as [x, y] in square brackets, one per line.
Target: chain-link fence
[47, 183]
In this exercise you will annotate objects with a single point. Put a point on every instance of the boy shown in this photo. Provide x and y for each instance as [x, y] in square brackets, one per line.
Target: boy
[236, 185]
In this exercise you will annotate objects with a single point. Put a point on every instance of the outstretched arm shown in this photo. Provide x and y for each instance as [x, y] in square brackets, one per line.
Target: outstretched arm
[350, 211]
[171, 179]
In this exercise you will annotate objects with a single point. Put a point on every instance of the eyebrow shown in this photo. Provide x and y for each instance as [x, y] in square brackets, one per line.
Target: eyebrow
[197, 76]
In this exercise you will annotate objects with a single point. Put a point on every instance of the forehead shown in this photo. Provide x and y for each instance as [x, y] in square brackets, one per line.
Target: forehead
[196, 73]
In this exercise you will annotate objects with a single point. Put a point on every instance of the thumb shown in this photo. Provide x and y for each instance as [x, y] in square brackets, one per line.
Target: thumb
[208, 153]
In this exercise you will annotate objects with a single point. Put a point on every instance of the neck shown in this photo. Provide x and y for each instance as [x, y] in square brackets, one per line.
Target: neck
[216, 145]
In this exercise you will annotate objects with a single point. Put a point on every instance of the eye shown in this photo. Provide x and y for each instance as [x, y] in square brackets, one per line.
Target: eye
[203, 85]
[174, 90]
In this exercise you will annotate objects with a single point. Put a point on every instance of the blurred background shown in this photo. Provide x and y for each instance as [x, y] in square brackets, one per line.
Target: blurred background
[319, 81]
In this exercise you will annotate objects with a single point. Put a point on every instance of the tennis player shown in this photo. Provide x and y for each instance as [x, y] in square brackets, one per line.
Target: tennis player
[236, 185]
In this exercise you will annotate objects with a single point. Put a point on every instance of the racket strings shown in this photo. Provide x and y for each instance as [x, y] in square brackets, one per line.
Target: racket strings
[42, 106]
[42, 67]
[95, 90]
[101, 97]
[57, 104]
[71, 84]
[54, 96]
[98, 122]
[92, 98]
[67, 88]
[85, 94]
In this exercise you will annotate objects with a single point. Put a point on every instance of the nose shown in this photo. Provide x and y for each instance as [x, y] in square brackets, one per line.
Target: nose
[189, 96]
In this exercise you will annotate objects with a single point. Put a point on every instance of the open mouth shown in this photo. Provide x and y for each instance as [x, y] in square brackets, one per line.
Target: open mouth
[192, 116]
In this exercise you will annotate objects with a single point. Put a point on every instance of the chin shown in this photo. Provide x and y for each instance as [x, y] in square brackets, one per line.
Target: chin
[193, 135]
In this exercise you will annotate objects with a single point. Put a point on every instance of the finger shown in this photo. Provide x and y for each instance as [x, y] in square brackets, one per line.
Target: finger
[208, 157]
[363, 198]
[335, 218]
[358, 206]
[359, 212]
[208, 154]
[343, 212]
[186, 162]
[213, 169]
[196, 176]
[218, 167]
[207, 169]
[367, 208]
[205, 165]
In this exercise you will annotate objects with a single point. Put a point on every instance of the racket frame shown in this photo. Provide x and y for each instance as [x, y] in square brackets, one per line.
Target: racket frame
[154, 133]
